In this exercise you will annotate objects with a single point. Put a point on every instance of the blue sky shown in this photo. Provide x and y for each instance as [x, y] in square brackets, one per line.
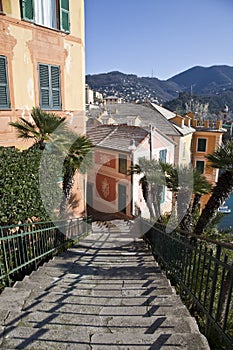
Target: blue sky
[159, 37]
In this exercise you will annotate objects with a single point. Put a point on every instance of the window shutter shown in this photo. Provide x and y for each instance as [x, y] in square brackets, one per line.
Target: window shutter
[4, 90]
[65, 15]
[55, 85]
[27, 10]
[44, 85]
[163, 155]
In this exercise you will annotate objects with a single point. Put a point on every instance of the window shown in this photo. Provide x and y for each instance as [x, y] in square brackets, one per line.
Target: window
[50, 90]
[122, 164]
[200, 165]
[163, 155]
[49, 13]
[201, 145]
[4, 88]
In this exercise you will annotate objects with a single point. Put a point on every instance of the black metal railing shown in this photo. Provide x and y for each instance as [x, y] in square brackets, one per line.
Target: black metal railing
[23, 247]
[202, 270]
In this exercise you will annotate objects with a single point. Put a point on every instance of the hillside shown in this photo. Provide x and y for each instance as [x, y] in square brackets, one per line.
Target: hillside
[131, 87]
[211, 85]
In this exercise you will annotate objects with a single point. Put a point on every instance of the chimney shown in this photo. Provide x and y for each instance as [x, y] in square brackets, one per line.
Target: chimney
[219, 124]
[194, 123]
[206, 124]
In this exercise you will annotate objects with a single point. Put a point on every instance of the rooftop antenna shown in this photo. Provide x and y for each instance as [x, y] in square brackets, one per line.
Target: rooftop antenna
[152, 75]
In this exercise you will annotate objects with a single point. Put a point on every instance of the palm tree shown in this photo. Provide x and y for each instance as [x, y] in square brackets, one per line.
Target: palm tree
[185, 183]
[78, 157]
[152, 183]
[48, 129]
[42, 127]
[221, 159]
[200, 187]
[179, 180]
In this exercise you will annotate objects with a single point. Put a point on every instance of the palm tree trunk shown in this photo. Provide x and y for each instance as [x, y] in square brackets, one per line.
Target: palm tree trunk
[67, 186]
[220, 193]
[196, 203]
[147, 196]
[187, 222]
[149, 203]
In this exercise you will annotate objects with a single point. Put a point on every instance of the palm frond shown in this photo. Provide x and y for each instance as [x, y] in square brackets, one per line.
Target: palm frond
[222, 158]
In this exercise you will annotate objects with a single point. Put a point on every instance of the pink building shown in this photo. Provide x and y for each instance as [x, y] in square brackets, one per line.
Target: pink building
[110, 189]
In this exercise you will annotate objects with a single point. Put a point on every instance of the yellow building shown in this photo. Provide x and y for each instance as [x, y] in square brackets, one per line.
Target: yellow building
[206, 139]
[42, 62]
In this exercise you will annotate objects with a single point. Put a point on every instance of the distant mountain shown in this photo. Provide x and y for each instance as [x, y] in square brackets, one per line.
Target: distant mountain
[213, 85]
[205, 81]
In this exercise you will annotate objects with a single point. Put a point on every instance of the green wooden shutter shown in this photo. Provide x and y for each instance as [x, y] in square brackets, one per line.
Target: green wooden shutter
[44, 86]
[55, 87]
[4, 90]
[27, 10]
[65, 16]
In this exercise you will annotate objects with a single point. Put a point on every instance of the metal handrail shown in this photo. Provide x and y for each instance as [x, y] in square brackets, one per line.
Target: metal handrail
[24, 246]
[202, 270]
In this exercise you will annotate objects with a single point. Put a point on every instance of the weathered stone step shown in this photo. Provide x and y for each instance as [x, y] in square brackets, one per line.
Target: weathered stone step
[43, 339]
[105, 293]
[169, 341]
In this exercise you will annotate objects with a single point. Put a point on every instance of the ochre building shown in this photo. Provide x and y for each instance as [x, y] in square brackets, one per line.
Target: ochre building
[42, 62]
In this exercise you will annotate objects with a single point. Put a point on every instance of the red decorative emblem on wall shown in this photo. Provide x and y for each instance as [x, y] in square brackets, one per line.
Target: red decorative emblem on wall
[106, 187]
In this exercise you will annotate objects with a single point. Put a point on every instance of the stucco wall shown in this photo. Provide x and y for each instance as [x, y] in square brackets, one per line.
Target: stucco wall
[25, 44]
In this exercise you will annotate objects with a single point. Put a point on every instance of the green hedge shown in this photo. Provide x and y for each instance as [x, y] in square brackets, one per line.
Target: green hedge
[20, 197]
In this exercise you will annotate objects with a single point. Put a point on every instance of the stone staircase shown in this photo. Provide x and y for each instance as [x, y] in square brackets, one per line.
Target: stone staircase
[105, 293]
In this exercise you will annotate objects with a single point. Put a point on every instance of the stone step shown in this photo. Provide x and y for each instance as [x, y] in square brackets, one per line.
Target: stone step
[82, 338]
[107, 292]
[164, 341]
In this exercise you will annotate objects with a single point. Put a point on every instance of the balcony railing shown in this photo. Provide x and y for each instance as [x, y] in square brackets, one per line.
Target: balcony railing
[202, 271]
[23, 247]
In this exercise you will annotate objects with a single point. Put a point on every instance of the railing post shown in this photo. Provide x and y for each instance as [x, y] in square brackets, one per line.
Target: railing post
[213, 289]
[5, 260]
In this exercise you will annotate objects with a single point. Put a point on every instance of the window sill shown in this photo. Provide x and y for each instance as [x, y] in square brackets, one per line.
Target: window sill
[44, 27]
[51, 109]
[4, 107]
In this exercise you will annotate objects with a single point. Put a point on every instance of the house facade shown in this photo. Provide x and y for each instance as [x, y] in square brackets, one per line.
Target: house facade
[110, 188]
[149, 116]
[42, 62]
[181, 132]
[206, 139]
